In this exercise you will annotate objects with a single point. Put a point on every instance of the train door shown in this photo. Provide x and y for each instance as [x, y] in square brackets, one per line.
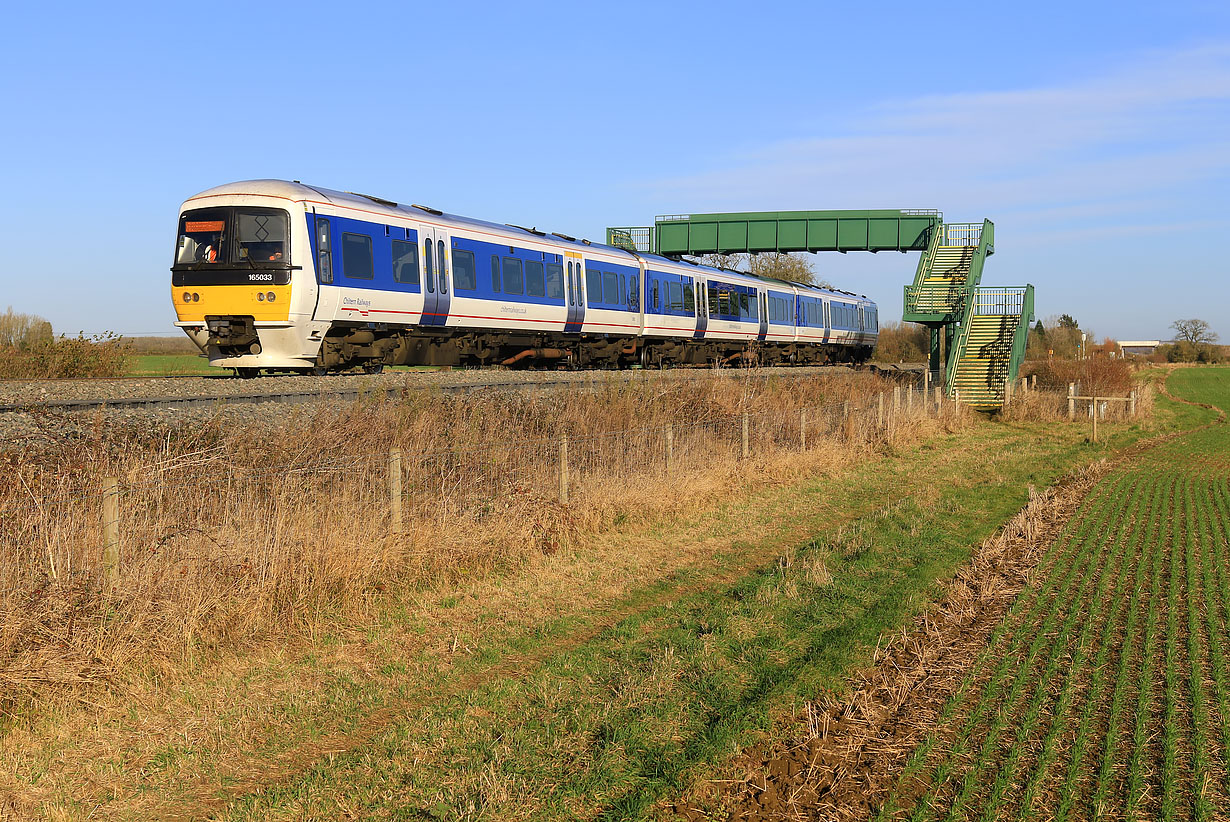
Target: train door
[574, 284]
[436, 285]
[326, 298]
[702, 309]
[764, 315]
[826, 319]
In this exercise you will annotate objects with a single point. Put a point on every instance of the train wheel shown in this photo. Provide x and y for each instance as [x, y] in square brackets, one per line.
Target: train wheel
[373, 367]
[247, 373]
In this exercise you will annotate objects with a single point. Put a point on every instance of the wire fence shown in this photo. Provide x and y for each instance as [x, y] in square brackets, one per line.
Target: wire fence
[201, 508]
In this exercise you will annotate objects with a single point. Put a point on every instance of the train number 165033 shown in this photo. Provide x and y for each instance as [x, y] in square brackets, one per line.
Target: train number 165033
[260, 276]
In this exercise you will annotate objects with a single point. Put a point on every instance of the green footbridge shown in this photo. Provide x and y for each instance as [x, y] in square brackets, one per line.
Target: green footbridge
[977, 333]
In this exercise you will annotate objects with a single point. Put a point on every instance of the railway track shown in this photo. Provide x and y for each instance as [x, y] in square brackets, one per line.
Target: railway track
[289, 397]
[328, 389]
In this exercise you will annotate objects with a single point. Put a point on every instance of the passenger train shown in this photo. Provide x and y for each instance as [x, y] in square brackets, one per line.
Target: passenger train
[274, 275]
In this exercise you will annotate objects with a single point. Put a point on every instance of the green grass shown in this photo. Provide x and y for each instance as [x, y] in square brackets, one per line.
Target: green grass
[168, 365]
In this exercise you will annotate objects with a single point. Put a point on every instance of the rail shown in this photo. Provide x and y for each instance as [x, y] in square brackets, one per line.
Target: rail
[631, 238]
[931, 299]
[998, 302]
[962, 234]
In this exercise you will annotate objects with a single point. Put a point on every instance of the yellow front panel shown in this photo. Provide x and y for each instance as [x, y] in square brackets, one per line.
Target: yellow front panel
[232, 300]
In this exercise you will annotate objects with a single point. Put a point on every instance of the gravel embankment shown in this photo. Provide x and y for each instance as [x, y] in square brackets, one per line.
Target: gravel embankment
[40, 427]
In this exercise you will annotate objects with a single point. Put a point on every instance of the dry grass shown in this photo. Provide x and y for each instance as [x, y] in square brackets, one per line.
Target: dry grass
[230, 536]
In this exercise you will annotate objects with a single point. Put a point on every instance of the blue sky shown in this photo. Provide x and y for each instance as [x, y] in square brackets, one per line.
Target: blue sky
[1095, 135]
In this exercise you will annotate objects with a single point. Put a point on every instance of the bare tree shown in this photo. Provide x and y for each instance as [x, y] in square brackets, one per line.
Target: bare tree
[1196, 332]
[23, 330]
[795, 268]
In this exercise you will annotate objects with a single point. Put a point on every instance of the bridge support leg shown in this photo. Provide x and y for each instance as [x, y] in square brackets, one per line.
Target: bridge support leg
[933, 362]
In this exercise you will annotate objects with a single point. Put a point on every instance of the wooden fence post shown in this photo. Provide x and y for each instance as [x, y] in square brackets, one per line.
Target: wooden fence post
[746, 449]
[803, 429]
[395, 500]
[896, 400]
[111, 533]
[670, 447]
[1132, 403]
[563, 469]
[1095, 419]
[880, 409]
[939, 400]
[909, 401]
[1071, 401]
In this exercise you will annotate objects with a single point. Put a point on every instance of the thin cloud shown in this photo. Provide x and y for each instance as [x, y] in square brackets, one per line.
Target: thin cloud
[1134, 133]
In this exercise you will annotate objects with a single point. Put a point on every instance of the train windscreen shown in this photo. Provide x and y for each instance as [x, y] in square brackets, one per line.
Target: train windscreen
[233, 236]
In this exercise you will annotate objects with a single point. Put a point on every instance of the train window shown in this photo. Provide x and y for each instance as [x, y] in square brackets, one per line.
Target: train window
[689, 298]
[623, 289]
[357, 256]
[405, 262]
[261, 235]
[743, 309]
[674, 296]
[535, 279]
[514, 277]
[714, 307]
[203, 236]
[593, 282]
[610, 287]
[773, 309]
[724, 307]
[464, 278]
[634, 294]
[555, 281]
[753, 304]
[428, 266]
[443, 262]
[324, 252]
[495, 274]
[655, 295]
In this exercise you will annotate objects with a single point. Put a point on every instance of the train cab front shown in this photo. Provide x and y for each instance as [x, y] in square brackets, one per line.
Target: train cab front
[231, 284]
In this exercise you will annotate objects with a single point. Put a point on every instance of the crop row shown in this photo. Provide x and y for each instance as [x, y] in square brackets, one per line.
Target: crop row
[1105, 692]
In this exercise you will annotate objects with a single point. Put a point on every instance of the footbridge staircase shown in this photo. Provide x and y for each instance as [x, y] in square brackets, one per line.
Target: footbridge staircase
[977, 335]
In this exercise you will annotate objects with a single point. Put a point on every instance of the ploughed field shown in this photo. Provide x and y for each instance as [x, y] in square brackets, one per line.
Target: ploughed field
[1104, 691]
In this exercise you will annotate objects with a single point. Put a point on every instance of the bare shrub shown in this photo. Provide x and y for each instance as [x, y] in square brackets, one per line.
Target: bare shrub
[81, 357]
[1100, 376]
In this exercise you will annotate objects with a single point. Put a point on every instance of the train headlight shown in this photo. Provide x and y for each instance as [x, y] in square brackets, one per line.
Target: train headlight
[270, 296]
[260, 296]
[196, 298]
[187, 297]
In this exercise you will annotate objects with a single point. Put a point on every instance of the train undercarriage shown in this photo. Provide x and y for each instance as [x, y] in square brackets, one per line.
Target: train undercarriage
[366, 346]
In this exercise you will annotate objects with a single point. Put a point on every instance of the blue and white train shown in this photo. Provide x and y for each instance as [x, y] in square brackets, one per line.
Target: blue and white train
[275, 275]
